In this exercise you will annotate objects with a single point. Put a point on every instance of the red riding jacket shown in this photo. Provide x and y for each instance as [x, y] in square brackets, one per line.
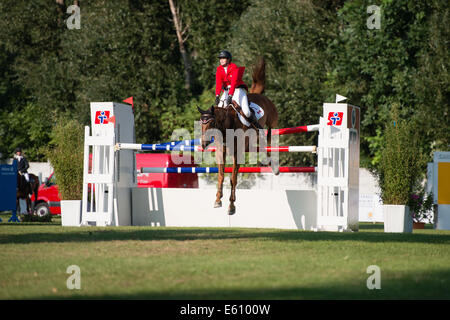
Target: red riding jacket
[233, 78]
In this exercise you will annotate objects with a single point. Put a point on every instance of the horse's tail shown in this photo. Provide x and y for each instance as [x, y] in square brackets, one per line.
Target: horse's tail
[259, 77]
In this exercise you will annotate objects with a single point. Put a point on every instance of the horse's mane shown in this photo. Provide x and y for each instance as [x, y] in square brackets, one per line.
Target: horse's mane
[259, 77]
[224, 118]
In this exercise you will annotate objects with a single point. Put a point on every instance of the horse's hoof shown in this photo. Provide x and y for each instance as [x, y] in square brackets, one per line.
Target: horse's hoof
[276, 170]
[231, 211]
[218, 204]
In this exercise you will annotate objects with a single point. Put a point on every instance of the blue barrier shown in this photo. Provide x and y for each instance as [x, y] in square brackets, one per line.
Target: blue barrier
[8, 189]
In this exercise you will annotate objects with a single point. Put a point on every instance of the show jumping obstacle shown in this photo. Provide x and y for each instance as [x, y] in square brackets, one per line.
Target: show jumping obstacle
[111, 197]
[168, 147]
[196, 142]
[227, 169]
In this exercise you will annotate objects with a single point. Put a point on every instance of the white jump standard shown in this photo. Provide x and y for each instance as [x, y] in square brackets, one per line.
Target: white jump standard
[111, 196]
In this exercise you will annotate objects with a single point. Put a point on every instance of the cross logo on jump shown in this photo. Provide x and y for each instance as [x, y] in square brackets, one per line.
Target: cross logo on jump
[335, 118]
[101, 117]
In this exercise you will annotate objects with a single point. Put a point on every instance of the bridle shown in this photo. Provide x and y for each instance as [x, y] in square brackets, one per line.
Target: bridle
[207, 119]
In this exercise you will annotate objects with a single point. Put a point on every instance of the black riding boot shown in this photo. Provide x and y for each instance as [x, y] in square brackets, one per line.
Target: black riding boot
[254, 121]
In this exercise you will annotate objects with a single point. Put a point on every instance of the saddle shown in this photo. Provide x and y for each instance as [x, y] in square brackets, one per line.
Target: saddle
[253, 120]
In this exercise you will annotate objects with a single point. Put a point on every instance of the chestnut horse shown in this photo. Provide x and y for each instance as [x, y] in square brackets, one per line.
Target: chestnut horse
[222, 119]
[25, 189]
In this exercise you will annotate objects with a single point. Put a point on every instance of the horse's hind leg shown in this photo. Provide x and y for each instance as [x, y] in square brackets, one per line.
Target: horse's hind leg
[232, 208]
[219, 194]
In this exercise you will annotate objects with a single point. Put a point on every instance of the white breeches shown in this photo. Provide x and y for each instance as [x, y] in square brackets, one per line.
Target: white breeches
[240, 96]
[27, 177]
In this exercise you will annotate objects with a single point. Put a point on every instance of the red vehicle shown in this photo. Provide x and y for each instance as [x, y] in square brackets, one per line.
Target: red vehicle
[163, 180]
[48, 194]
[48, 198]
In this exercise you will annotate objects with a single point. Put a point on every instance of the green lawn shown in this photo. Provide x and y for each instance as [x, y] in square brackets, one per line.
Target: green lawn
[220, 263]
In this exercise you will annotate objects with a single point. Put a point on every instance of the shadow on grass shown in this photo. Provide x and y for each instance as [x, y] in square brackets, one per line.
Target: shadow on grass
[91, 234]
[430, 285]
[56, 221]
[371, 226]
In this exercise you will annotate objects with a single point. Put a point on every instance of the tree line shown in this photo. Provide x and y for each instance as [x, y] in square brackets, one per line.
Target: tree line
[164, 54]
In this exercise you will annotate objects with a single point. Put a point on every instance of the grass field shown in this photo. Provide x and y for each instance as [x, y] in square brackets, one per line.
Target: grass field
[220, 263]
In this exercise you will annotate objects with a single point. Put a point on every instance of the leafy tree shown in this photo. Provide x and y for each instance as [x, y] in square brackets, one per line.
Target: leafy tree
[313, 50]
[29, 44]
[209, 29]
[431, 82]
[401, 163]
[376, 67]
[27, 127]
[66, 157]
[128, 50]
[31, 33]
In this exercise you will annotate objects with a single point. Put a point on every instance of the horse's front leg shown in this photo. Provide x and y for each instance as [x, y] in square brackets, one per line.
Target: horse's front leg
[232, 208]
[220, 159]
[219, 194]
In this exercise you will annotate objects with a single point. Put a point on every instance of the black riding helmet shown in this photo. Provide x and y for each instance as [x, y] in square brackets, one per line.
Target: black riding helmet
[225, 54]
[18, 149]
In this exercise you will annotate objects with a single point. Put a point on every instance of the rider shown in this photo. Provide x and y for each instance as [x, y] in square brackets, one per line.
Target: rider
[22, 165]
[229, 79]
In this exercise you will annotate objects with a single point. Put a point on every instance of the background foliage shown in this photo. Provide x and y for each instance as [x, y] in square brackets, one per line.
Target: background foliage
[66, 157]
[400, 161]
[313, 49]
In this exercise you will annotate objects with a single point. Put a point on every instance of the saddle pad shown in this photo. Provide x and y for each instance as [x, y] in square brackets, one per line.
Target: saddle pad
[257, 110]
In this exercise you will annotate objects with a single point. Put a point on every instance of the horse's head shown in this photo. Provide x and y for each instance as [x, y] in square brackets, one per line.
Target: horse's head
[208, 120]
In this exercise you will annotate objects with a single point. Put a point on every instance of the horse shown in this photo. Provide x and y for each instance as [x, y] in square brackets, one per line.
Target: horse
[25, 189]
[225, 118]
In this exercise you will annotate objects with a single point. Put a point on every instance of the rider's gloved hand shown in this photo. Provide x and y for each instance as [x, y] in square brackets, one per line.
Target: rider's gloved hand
[229, 99]
[216, 103]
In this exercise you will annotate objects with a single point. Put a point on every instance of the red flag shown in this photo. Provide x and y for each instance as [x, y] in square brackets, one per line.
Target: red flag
[112, 120]
[129, 101]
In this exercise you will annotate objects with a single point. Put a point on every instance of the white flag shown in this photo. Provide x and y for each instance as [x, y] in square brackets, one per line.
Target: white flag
[340, 98]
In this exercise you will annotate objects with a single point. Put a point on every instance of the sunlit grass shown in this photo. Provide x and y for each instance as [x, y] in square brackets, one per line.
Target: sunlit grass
[220, 263]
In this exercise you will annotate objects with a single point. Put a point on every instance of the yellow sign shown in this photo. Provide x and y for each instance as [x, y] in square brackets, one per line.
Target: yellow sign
[443, 183]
